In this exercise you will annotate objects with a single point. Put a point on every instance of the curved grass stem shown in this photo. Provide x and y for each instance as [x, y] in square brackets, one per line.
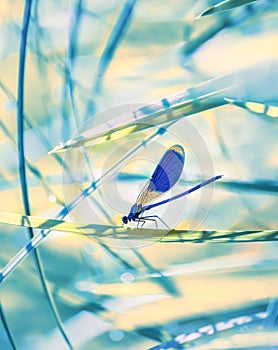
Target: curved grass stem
[22, 163]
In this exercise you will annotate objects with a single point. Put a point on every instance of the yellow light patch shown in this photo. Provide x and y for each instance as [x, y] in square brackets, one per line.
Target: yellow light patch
[272, 112]
[256, 107]
[122, 132]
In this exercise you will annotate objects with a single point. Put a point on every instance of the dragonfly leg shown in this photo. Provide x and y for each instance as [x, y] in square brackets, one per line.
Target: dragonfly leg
[138, 222]
[155, 216]
[148, 219]
[143, 220]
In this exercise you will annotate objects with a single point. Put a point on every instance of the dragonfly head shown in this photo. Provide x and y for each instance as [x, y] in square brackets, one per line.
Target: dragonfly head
[125, 220]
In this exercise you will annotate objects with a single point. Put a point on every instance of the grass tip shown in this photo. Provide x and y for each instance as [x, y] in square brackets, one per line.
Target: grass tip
[59, 148]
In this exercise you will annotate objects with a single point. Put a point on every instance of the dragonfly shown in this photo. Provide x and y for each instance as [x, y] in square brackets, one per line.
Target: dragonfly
[164, 177]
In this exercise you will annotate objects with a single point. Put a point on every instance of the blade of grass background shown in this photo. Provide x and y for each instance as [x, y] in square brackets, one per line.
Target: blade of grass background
[261, 185]
[42, 138]
[71, 53]
[37, 31]
[65, 110]
[6, 327]
[185, 103]
[193, 42]
[237, 186]
[263, 109]
[225, 5]
[167, 283]
[21, 161]
[272, 310]
[225, 20]
[119, 232]
[221, 329]
[31, 167]
[201, 97]
[117, 32]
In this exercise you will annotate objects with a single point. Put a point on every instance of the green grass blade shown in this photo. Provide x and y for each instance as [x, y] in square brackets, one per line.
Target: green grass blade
[224, 5]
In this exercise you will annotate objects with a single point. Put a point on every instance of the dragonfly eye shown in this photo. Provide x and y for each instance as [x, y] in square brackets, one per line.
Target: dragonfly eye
[125, 219]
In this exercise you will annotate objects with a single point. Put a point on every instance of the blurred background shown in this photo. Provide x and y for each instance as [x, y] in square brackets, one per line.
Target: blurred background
[89, 62]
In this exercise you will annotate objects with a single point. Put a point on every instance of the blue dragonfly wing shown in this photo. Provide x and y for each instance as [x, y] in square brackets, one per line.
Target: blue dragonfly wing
[166, 174]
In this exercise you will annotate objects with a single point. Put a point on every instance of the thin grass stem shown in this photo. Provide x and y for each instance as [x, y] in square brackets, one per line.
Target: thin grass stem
[6, 327]
[22, 164]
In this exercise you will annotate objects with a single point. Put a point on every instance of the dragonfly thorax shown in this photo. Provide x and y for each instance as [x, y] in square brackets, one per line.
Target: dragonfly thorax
[135, 211]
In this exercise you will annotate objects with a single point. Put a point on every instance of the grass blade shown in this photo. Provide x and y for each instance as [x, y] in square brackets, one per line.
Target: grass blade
[120, 232]
[225, 5]
[21, 160]
[6, 327]
[204, 96]
[116, 34]
[264, 109]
